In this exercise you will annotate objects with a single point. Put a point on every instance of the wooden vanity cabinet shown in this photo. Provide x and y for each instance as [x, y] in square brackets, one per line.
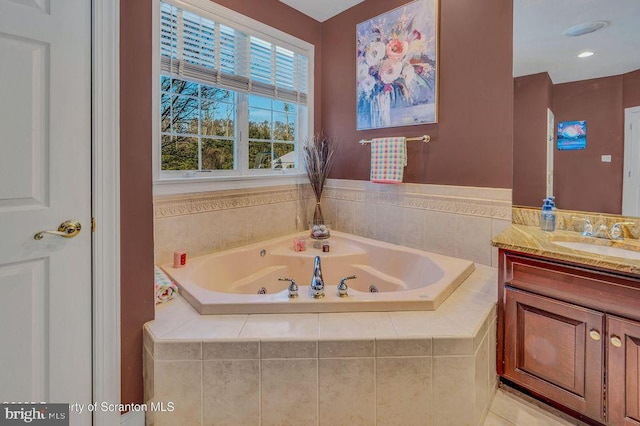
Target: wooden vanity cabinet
[558, 324]
[623, 375]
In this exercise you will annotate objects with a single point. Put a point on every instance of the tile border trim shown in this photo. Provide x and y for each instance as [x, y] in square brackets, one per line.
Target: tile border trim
[170, 206]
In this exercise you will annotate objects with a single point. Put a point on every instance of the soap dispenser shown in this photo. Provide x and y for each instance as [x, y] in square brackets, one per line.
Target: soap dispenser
[548, 216]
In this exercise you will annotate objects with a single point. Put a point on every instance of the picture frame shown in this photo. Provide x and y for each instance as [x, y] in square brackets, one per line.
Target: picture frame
[397, 67]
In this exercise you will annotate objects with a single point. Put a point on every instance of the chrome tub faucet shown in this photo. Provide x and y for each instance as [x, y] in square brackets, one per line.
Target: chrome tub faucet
[317, 283]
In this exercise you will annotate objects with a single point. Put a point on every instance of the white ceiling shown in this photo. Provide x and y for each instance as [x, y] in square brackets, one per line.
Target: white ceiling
[539, 45]
[538, 42]
[321, 10]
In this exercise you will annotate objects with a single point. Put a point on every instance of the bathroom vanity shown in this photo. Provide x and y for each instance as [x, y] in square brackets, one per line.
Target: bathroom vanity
[569, 325]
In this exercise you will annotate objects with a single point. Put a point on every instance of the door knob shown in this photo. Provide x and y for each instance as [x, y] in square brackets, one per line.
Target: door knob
[615, 341]
[67, 229]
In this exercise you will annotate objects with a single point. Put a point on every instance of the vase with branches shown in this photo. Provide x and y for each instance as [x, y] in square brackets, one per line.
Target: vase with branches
[318, 155]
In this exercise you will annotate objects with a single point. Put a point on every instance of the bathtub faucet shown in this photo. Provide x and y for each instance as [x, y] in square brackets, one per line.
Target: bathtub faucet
[317, 284]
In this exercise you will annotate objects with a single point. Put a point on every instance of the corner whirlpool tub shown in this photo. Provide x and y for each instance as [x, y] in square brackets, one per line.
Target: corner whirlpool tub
[407, 279]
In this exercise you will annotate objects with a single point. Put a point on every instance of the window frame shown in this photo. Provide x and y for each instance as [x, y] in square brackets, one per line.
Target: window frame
[176, 181]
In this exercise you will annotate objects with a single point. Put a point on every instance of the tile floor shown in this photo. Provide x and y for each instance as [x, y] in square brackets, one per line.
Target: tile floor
[508, 409]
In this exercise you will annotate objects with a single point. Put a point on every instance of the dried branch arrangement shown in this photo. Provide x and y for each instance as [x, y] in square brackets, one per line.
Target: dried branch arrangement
[318, 155]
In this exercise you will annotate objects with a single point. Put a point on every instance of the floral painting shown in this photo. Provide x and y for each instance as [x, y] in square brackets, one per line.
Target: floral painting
[397, 67]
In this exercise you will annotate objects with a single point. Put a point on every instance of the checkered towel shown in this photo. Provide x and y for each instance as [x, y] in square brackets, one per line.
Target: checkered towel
[388, 159]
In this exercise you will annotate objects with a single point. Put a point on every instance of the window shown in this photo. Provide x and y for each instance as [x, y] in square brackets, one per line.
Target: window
[197, 126]
[232, 100]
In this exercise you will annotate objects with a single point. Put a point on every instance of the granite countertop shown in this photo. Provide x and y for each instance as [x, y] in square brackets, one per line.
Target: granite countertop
[532, 240]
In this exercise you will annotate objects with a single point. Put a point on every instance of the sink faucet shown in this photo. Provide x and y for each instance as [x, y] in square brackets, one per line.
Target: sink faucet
[317, 283]
[618, 230]
[602, 231]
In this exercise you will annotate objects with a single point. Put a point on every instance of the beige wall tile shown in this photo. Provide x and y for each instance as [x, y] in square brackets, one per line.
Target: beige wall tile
[147, 373]
[404, 391]
[231, 393]
[453, 397]
[400, 225]
[147, 340]
[443, 345]
[281, 326]
[231, 349]
[403, 347]
[177, 350]
[473, 238]
[289, 349]
[170, 234]
[209, 327]
[328, 210]
[493, 377]
[289, 392]
[483, 395]
[181, 383]
[206, 236]
[346, 348]
[345, 391]
[439, 232]
[344, 216]
[364, 220]
[359, 325]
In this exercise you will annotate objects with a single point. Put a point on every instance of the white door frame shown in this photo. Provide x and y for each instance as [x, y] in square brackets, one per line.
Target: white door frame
[628, 167]
[551, 123]
[106, 206]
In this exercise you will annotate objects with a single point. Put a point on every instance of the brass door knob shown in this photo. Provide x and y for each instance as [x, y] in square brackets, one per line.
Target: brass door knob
[615, 341]
[594, 334]
[67, 229]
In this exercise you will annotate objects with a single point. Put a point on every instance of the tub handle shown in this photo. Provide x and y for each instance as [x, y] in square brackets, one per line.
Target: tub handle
[293, 287]
[343, 289]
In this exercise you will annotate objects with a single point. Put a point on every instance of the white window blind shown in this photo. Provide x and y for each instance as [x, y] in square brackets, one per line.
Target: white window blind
[199, 48]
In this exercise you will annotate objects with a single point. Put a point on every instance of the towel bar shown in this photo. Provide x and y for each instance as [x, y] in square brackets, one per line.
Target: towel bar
[424, 138]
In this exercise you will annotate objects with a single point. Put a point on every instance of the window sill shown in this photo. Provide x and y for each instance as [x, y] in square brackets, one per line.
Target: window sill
[181, 185]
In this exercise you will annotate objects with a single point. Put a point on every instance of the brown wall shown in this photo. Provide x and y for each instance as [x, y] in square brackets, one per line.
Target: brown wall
[631, 89]
[581, 180]
[531, 98]
[472, 143]
[136, 204]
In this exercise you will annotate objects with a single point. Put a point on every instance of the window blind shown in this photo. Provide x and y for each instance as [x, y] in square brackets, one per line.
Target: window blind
[194, 47]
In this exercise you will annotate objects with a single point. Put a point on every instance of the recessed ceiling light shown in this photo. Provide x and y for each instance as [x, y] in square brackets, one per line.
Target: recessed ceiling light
[585, 28]
[585, 54]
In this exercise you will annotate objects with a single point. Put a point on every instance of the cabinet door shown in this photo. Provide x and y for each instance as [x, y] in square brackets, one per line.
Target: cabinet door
[554, 349]
[623, 371]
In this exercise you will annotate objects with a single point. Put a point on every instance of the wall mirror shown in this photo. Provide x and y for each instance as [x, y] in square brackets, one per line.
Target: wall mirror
[553, 85]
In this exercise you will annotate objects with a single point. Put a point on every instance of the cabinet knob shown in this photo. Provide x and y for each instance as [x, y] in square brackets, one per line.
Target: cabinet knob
[594, 334]
[615, 341]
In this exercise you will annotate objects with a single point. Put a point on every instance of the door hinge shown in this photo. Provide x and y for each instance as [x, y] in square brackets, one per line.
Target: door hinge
[93, 224]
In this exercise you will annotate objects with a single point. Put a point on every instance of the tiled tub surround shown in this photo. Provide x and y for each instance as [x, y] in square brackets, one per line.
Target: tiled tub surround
[407, 279]
[369, 368]
[449, 220]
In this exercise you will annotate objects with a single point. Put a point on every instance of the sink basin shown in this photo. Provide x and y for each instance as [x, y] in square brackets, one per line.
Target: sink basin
[598, 249]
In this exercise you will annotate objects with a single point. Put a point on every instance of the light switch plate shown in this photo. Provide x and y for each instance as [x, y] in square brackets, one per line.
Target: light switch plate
[606, 158]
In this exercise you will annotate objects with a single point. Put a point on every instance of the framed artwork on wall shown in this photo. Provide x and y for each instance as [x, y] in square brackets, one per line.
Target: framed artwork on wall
[397, 67]
[572, 135]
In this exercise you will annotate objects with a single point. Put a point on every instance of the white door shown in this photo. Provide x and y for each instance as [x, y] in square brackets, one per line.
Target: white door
[45, 178]
[631, 178]
[550, 146]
